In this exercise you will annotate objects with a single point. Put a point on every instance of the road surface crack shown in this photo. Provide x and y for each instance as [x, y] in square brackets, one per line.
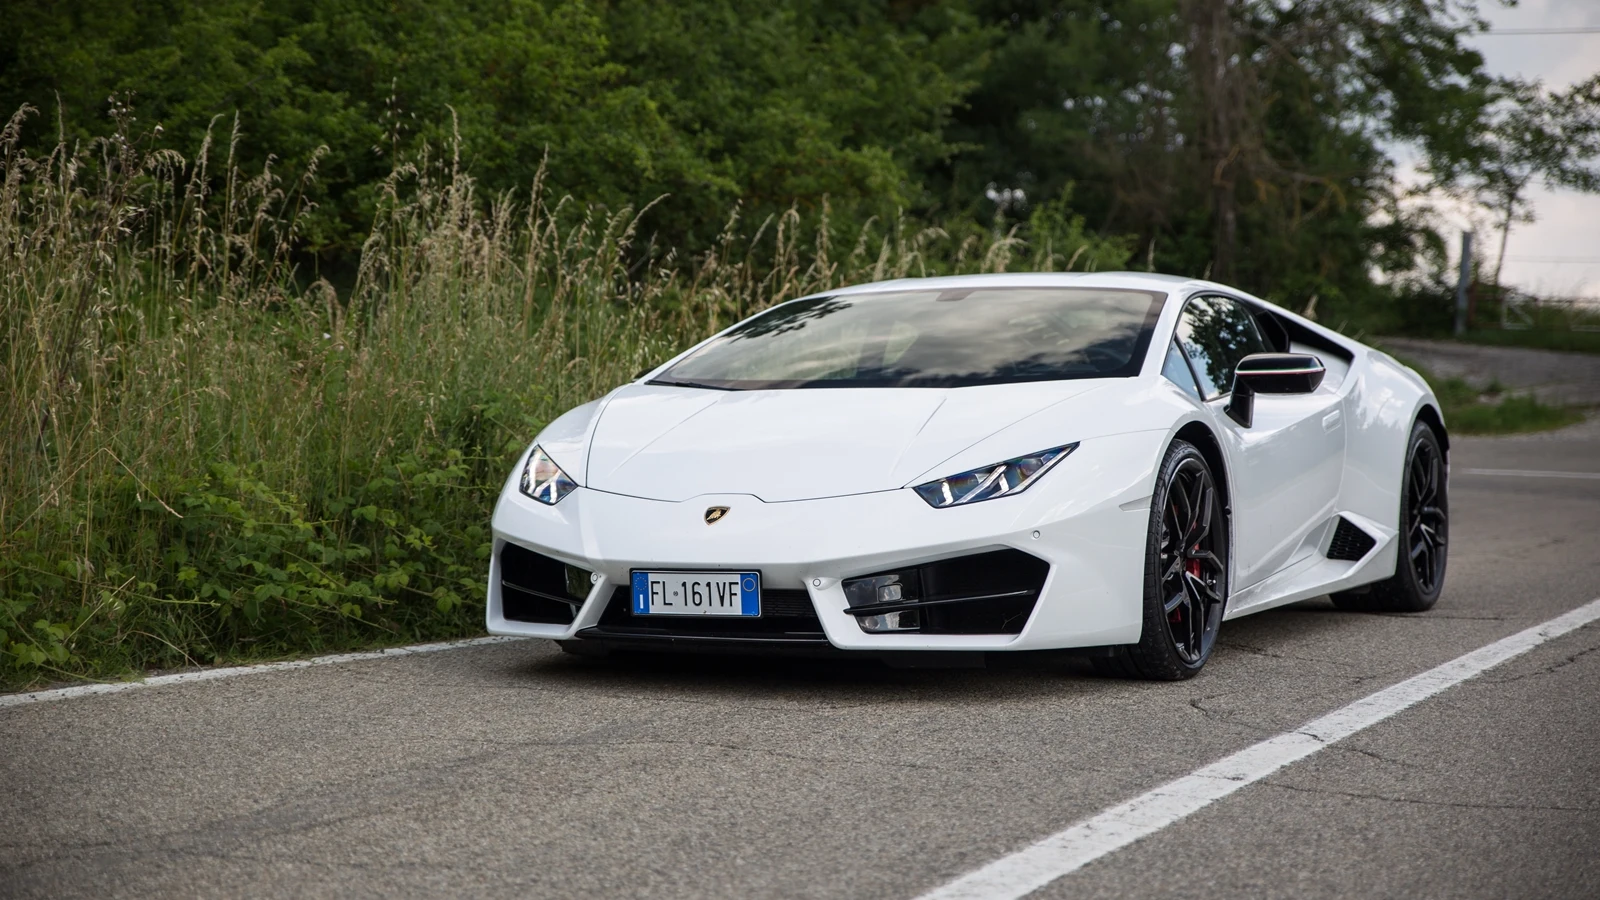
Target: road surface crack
[1375, 755]
[1543, 670]
[1291, 657]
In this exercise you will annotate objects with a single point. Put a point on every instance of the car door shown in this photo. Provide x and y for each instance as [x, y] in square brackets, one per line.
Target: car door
[1285, 469]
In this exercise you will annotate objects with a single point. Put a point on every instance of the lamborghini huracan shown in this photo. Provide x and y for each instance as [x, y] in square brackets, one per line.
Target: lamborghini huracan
[931, 470]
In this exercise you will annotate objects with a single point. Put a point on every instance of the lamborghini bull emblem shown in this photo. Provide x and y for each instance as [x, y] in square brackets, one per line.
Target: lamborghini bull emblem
[714, 514]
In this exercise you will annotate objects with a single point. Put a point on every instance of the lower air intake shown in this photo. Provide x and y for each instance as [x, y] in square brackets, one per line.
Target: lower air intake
[985, 593]
[536, 588]
[1350, 542]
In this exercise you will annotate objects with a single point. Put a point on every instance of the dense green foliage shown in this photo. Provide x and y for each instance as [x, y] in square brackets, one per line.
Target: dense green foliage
[285, 287]
[711, 102]
[1243, 138]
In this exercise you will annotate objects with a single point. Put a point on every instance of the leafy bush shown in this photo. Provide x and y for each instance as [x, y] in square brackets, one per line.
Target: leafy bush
[202, 569]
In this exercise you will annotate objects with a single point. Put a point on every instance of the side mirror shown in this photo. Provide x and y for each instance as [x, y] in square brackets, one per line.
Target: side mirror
[1271, 373]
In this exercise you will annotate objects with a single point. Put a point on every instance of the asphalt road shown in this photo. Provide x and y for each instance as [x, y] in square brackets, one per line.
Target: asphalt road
[512, 770]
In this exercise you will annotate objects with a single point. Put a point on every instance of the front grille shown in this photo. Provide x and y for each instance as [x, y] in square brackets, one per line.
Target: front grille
[1349, 542]
[785, 615]
[535, 588]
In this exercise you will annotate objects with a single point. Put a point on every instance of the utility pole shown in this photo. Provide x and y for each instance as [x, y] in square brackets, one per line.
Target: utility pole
[1462, 282]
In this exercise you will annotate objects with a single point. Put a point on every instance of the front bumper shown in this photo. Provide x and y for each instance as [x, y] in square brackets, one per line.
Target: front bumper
[1091, 597]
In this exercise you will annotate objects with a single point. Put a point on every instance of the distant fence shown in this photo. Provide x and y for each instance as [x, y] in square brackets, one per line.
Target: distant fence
[1520, 311]
[1515, 310]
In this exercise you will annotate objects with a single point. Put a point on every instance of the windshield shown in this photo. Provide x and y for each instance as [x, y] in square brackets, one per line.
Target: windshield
[950, 338]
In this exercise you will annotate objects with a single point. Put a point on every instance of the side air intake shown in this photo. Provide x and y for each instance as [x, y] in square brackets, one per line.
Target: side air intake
[536, 588]
[1350, 542]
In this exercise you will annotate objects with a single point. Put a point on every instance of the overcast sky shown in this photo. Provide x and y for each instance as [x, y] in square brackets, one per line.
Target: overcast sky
[1559, 255]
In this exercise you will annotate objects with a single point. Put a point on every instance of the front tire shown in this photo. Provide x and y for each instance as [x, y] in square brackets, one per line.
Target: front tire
[1423, 539]
[1186, 574]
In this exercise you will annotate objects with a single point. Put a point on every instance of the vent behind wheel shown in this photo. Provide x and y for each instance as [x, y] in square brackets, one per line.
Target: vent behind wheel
[1349, 541]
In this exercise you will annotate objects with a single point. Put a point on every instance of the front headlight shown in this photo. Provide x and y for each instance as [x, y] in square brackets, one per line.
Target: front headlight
[999, 480]
[543, 480]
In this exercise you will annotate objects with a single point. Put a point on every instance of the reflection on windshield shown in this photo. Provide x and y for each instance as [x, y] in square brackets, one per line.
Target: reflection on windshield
[930, 339]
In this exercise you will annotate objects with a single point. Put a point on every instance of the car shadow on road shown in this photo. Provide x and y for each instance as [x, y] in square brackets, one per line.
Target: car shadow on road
[845, 680]
[849, 679]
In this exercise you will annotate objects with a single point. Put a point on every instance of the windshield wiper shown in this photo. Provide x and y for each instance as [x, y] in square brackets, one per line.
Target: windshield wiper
[690, 384]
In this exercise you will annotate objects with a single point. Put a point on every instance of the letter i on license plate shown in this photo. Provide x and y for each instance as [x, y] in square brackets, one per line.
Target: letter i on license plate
[697, 593]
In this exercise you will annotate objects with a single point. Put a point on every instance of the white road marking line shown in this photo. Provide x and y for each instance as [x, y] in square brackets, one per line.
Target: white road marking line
[1528, 473]
[88, 690]
[1029, 869]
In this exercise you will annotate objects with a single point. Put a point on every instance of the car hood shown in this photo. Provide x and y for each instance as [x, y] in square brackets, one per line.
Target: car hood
[671, 443]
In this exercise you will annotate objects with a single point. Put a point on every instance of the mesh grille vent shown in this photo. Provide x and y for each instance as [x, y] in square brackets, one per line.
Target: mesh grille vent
[1349, 542]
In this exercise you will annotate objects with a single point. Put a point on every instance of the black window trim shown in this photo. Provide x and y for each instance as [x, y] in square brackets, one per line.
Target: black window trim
[1249, 307]
[1174, 344]
[1296, 331]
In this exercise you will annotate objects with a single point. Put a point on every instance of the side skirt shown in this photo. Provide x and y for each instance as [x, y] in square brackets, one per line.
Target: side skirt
[1321, 576]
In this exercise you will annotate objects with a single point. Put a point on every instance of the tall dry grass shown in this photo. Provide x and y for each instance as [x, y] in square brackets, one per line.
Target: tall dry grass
[208, 453]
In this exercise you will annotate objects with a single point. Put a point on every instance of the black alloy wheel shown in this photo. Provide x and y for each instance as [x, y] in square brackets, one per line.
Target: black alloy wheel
[1192, 569]
[1423, 541]
[1186, 573]
[1426, 525]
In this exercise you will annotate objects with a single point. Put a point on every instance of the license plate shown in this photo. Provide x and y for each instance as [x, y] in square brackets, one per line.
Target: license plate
[697, 593]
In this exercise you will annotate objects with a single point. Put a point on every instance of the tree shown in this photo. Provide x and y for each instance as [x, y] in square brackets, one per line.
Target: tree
[761, 103]
[1244, 138]
[791, 102]
[1536, 134]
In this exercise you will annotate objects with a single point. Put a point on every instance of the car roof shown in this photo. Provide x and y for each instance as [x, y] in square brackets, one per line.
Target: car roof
[1169, 285]
[1144, 281]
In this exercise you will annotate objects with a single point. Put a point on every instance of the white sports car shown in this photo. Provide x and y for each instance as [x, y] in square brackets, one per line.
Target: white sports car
[935, 469]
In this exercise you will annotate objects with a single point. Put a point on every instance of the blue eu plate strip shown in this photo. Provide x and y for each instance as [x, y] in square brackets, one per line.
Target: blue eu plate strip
[641, 593]
[749, 594]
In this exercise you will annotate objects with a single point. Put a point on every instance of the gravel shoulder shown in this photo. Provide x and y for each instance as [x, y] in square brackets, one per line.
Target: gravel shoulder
[1563, 379]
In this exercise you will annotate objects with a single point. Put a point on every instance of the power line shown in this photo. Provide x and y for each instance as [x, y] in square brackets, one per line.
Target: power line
[1518, 32]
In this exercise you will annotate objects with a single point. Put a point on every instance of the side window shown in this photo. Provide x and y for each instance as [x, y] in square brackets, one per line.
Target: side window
[1216, 333]
[1177, 372]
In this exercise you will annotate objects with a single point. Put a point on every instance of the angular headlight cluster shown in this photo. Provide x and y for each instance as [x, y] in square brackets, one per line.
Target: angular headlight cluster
[543, 480]
[999, 480]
